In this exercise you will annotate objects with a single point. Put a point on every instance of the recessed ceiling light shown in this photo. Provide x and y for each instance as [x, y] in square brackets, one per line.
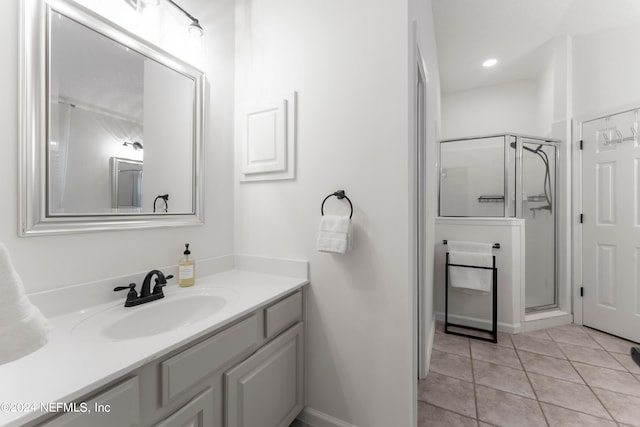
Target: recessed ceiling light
[489, 62]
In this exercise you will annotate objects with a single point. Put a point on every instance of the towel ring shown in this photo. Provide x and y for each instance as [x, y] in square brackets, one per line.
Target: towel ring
[340, 195]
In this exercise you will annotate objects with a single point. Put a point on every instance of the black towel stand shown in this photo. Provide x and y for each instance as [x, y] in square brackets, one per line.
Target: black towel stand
[493, 332]
[340, 195]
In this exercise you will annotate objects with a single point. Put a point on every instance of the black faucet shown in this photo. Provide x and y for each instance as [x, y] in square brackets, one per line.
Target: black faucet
[146, 295]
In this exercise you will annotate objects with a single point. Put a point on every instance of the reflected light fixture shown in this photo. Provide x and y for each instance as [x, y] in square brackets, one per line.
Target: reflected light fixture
[135, 145]
[490, 62]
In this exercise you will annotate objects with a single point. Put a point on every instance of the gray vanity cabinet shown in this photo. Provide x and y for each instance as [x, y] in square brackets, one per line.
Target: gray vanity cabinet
[267, 388]
[249, 373]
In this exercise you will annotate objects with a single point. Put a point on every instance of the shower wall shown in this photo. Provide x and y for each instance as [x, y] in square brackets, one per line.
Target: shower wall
[472, 177]
[508, 176]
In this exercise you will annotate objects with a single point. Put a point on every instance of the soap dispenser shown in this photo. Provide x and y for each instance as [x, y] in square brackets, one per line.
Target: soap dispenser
[186, 269]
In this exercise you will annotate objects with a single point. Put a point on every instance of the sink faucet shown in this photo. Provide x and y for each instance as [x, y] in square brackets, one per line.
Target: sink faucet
[157, 289]
[146, 295]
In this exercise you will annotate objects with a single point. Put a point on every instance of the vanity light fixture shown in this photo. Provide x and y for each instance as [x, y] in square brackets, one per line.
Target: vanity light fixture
[490, 62]
[195, 29]
[135, 145]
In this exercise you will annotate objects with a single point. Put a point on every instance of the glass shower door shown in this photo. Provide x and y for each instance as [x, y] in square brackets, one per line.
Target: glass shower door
[539, 212]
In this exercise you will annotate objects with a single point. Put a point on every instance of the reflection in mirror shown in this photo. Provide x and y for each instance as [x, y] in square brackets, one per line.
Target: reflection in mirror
[126, 184]
[98, 89]
[121, 124]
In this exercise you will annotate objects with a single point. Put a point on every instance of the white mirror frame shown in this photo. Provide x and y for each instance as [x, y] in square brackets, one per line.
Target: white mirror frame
[33, 134]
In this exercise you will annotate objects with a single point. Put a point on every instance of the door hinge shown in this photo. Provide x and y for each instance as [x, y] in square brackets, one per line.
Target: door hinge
[581, 144]
[581, 218]
[581, 291]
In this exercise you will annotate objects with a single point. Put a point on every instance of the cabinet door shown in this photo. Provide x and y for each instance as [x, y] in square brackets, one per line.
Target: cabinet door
[266, 390]
[197, 413]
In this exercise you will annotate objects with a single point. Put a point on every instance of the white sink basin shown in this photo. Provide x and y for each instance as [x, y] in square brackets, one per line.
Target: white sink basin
[176, 310]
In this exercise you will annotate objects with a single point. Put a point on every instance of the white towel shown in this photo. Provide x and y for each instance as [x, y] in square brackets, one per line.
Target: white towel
[23, 328]
[482, 248]
[335, 234]
[471, 280]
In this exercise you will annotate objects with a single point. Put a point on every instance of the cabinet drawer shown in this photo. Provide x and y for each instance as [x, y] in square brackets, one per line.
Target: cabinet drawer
[187, 368]
[117, 406]
[283, 314]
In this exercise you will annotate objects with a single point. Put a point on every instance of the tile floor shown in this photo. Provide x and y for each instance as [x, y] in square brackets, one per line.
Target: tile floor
[564, 376]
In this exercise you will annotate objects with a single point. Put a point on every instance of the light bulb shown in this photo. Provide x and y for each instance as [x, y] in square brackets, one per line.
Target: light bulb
[195, 29]
[490, 62]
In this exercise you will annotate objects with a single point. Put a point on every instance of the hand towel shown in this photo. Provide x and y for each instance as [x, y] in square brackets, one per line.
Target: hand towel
[471, 280]
[335, 234]
[23, 328]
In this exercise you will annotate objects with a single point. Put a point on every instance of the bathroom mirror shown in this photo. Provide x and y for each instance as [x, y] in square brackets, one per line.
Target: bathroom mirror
[109, 123]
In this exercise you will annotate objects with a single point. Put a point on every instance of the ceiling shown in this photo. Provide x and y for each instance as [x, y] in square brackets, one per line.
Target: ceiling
[515, 32]
[95, 71]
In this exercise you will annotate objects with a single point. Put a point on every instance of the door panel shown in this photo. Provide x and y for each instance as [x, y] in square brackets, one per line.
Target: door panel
[606, 193]
[606, 271]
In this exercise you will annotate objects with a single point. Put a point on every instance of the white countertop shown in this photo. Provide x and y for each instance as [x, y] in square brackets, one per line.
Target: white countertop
[74, 363]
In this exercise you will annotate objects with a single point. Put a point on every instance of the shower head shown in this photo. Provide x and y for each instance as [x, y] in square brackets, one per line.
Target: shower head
[513, 145]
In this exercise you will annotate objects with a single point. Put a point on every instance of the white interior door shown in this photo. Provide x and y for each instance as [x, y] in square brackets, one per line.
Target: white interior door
[611, 225]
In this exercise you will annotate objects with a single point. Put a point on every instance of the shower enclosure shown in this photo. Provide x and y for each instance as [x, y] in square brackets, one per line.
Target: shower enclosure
[509, 176]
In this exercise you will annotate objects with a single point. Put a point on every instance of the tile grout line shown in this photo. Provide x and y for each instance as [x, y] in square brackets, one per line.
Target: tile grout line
[476, 419]
[611, 355]
[589, 386]
[473, 377]
[535, 393]
[586, 383]
[566, 358]
[447, 409]
[457, 379]
[580, 412]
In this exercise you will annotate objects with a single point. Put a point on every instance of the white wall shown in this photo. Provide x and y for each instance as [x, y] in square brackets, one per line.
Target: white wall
[93, 139]
[168, 117]
[54, 261]
[545, 99]
[509, 107]
[606, 67]
[353, 134]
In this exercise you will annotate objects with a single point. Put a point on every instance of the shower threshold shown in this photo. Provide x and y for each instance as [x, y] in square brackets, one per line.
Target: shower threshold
[540, 308]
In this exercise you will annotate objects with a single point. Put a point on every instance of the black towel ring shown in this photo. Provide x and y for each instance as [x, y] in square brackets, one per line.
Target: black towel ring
[340, 195]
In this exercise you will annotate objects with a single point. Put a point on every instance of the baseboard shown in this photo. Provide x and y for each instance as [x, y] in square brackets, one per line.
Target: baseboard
[511, 328]
[429, 346]
[320, 419]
